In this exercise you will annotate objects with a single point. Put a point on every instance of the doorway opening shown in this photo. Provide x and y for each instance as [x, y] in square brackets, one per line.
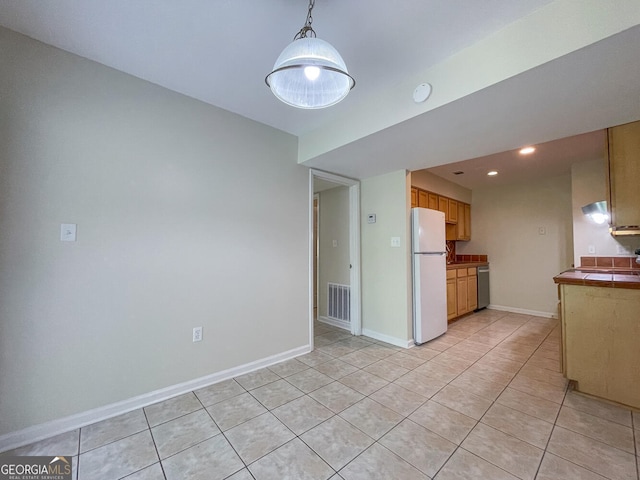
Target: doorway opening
[334, 294]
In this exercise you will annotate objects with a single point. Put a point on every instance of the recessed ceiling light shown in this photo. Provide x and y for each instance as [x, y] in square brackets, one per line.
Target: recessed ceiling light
[527, 150]
[492, 173]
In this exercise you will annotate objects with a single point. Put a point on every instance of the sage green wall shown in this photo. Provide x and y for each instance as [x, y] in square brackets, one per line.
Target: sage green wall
[187, 216]
[386, 270]
[505, 226]
[333, 225]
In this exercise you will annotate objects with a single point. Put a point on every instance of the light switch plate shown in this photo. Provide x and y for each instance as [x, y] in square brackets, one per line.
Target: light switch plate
[395, 241]
[68, 232]
[371, 218]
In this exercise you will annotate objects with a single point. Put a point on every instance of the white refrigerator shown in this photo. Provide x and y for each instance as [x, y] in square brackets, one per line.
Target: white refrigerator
[429, 266]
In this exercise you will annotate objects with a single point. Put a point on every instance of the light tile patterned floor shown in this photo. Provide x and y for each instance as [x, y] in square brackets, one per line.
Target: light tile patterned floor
[484, 401]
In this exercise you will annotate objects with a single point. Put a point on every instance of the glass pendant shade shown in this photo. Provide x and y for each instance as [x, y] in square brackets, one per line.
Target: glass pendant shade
[310, 73]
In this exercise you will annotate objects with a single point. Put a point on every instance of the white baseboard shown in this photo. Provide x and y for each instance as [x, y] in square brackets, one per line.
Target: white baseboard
[388, 339]
[336, 323]
[39, 432]
[523, 311]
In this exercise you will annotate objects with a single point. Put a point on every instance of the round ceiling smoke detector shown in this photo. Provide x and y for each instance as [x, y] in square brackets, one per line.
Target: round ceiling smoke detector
[421, 93]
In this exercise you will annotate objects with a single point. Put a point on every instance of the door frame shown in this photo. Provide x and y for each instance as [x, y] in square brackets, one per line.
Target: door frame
[354, 247]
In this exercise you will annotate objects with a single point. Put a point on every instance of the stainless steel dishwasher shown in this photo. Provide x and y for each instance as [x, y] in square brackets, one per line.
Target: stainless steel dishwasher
[483, 287]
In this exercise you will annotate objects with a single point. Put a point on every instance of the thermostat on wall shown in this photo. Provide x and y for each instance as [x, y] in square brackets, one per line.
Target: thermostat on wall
[371, 218]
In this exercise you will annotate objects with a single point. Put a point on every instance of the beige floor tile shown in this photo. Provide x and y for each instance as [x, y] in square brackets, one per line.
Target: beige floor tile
[447, 423]
[258, 436]
[538, 388]
[420, 384]
[241, 475]
[359, 358]
[386, 369]
[379, 351]
[65, 444]
[530, 404]
[423, 352]
[309, 380]
[235, 411]
[438, 371]
[337, 349]
[593, 455]
[599, 408]
[462, 401]
[379, 463]
[464, 465]
[480, 386]
[461, 353]
[371, 417]
[509, 453]
[302, 414]
[336, 369]
[336, 396]
[542, 362]
[176, 435]
[407, 361]
[398, 399]
[293, 460]
[597, 428]
[213, 459]
[452, 363]
[154, 472]
[275, 394]
[173, 408]
[112, 429]
[544, 375]
[490, 373]
[418, 446]
[315, 358]
[520, 425]
[288, 368]
[363, 382]
[219, 392]
[500, 363]
[118, 459]
[336, 441]
[556, 468]
[443, 342]
[256, 379]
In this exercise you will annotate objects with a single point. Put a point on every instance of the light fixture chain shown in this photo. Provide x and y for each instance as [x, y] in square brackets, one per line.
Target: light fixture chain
[307, 30]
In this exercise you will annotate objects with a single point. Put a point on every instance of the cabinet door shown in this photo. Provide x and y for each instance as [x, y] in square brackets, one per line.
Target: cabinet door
[422, 199]
[624, 174]
[432, 201]
[461, 222]
[462, 295]
[452, 299]
[472, 292]
[414, 197]
[443, 206]
[467, 221]
[453, 211]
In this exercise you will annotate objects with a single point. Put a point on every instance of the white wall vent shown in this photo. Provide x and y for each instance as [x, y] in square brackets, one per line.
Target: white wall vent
[339, 302]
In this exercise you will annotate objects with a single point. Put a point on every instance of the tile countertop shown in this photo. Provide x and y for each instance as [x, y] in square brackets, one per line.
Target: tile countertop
[453, 265]
[600, 277]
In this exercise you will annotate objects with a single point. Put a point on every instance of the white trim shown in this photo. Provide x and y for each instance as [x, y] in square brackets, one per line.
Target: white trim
[388, 339]
[42, 431]
[336, 323]
[523, 311]
[354, 247]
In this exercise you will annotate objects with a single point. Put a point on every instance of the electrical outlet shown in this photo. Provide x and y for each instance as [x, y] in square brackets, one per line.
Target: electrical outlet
[197, 334]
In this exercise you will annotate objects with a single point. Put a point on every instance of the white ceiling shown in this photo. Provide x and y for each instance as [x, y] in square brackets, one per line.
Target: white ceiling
[219, 51]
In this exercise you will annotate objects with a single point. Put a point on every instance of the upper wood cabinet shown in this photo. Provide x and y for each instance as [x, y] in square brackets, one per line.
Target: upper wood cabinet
[457, 215]
[624, 176]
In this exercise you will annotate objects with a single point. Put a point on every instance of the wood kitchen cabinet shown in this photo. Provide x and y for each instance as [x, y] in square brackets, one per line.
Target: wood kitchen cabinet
[462, 291]
[457, 215]
[414, 197]
[624, 176]
[422, 199]
[452, 299]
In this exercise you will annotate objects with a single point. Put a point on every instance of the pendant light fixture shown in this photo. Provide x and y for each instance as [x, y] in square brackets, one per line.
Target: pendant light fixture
[310, 73]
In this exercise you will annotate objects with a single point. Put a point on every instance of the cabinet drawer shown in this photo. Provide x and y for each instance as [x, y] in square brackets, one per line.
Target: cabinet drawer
[451, 274]
[471, 271]
[462, 272]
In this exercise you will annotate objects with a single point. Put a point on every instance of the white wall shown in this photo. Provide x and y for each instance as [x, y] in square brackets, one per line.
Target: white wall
[187, 216]
[386, 270]
[433, 183]
[505, 223]
[588, 185]
[333, 225]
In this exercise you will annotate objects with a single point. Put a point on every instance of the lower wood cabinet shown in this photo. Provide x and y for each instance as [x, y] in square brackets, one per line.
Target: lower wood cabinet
[462, 291]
